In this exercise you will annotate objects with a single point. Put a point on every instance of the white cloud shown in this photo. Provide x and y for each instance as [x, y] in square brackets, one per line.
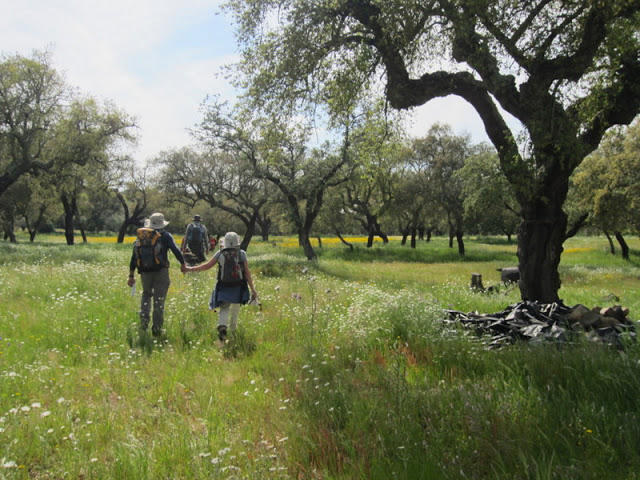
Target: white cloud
[138, 55]
[456, 112]
[157, 60]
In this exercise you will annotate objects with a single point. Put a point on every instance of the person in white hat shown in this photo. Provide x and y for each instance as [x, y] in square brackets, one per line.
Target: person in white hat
[233, 282]
[154, 274]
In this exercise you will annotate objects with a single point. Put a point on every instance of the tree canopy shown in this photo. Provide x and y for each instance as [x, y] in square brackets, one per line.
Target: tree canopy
[566, 70]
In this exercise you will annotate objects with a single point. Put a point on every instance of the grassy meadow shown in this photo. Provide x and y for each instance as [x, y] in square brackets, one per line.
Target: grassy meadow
[346, 372]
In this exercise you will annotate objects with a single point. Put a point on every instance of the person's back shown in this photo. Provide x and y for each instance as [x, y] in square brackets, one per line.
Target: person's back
[150, 258]
[197, 239]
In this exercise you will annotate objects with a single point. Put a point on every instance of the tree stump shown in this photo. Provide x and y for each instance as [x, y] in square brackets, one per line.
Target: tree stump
[476, 281]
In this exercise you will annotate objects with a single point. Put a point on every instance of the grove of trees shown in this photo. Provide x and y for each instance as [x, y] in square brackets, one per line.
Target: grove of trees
[318, 143]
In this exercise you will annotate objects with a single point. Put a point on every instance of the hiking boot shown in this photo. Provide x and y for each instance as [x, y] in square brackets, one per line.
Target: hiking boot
[222, 332]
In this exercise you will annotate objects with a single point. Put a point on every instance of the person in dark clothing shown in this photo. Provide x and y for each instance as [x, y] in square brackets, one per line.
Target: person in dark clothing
[195, 240]
[155, 280]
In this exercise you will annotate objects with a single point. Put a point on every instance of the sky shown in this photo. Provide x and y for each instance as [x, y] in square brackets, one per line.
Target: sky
[157, 60]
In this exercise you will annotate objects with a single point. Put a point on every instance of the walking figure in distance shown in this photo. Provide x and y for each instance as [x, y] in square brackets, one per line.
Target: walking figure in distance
[196, 239]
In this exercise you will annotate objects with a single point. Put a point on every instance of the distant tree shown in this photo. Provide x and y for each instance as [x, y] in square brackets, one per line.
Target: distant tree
[279, 154]
[368, 194]
[223, 180]
[31, 94]
[411, 205]
[334, 219]
[130, 185]
[566, 70]
[489, 203]
[607, 185]
[85, 139]
[438, 157]
[42, 203]
[12, 202]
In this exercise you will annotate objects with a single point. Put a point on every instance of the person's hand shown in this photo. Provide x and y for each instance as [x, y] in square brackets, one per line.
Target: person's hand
[131, 281]
[183, 268]
[254, 300]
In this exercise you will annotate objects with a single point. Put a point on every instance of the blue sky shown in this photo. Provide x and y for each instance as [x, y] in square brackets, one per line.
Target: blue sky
[157, 60]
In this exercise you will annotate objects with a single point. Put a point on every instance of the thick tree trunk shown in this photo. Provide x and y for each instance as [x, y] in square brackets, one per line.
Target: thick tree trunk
[9, 233]
[428, 234]
[305, 243]
[69, 213]
[624, 248]
[612, 247]
[413, 237]
[460, 241]
[540, 238]
[404, 238]
[122, 232]
[251, 230]
[264, 230]
[370, 239]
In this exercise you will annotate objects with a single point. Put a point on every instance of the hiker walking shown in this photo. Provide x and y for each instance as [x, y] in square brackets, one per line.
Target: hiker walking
[150, 257]
[232, 285]
[196, 240]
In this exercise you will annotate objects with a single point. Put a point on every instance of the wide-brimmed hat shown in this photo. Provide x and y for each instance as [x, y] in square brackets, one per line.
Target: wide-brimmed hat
[231, 240]
[157, 221]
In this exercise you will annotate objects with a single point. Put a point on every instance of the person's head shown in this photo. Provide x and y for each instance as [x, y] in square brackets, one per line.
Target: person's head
[157, 221]
[196, 218]
[231, 240]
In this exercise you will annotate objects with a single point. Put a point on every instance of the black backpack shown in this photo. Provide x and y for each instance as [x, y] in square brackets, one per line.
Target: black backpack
[231, 272]
[195, 236]
[148, 250]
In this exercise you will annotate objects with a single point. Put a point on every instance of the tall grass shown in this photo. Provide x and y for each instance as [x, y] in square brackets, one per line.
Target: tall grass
[346, 372]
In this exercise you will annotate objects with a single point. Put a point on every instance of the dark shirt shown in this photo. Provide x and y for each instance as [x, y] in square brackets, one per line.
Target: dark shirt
[168, 243]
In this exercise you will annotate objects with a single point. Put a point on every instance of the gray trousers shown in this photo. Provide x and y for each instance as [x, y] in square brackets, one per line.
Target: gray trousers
[155, 285]
[229, 315]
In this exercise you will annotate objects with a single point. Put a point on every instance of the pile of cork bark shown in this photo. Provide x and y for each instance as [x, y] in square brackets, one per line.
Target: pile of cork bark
[536, 322]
